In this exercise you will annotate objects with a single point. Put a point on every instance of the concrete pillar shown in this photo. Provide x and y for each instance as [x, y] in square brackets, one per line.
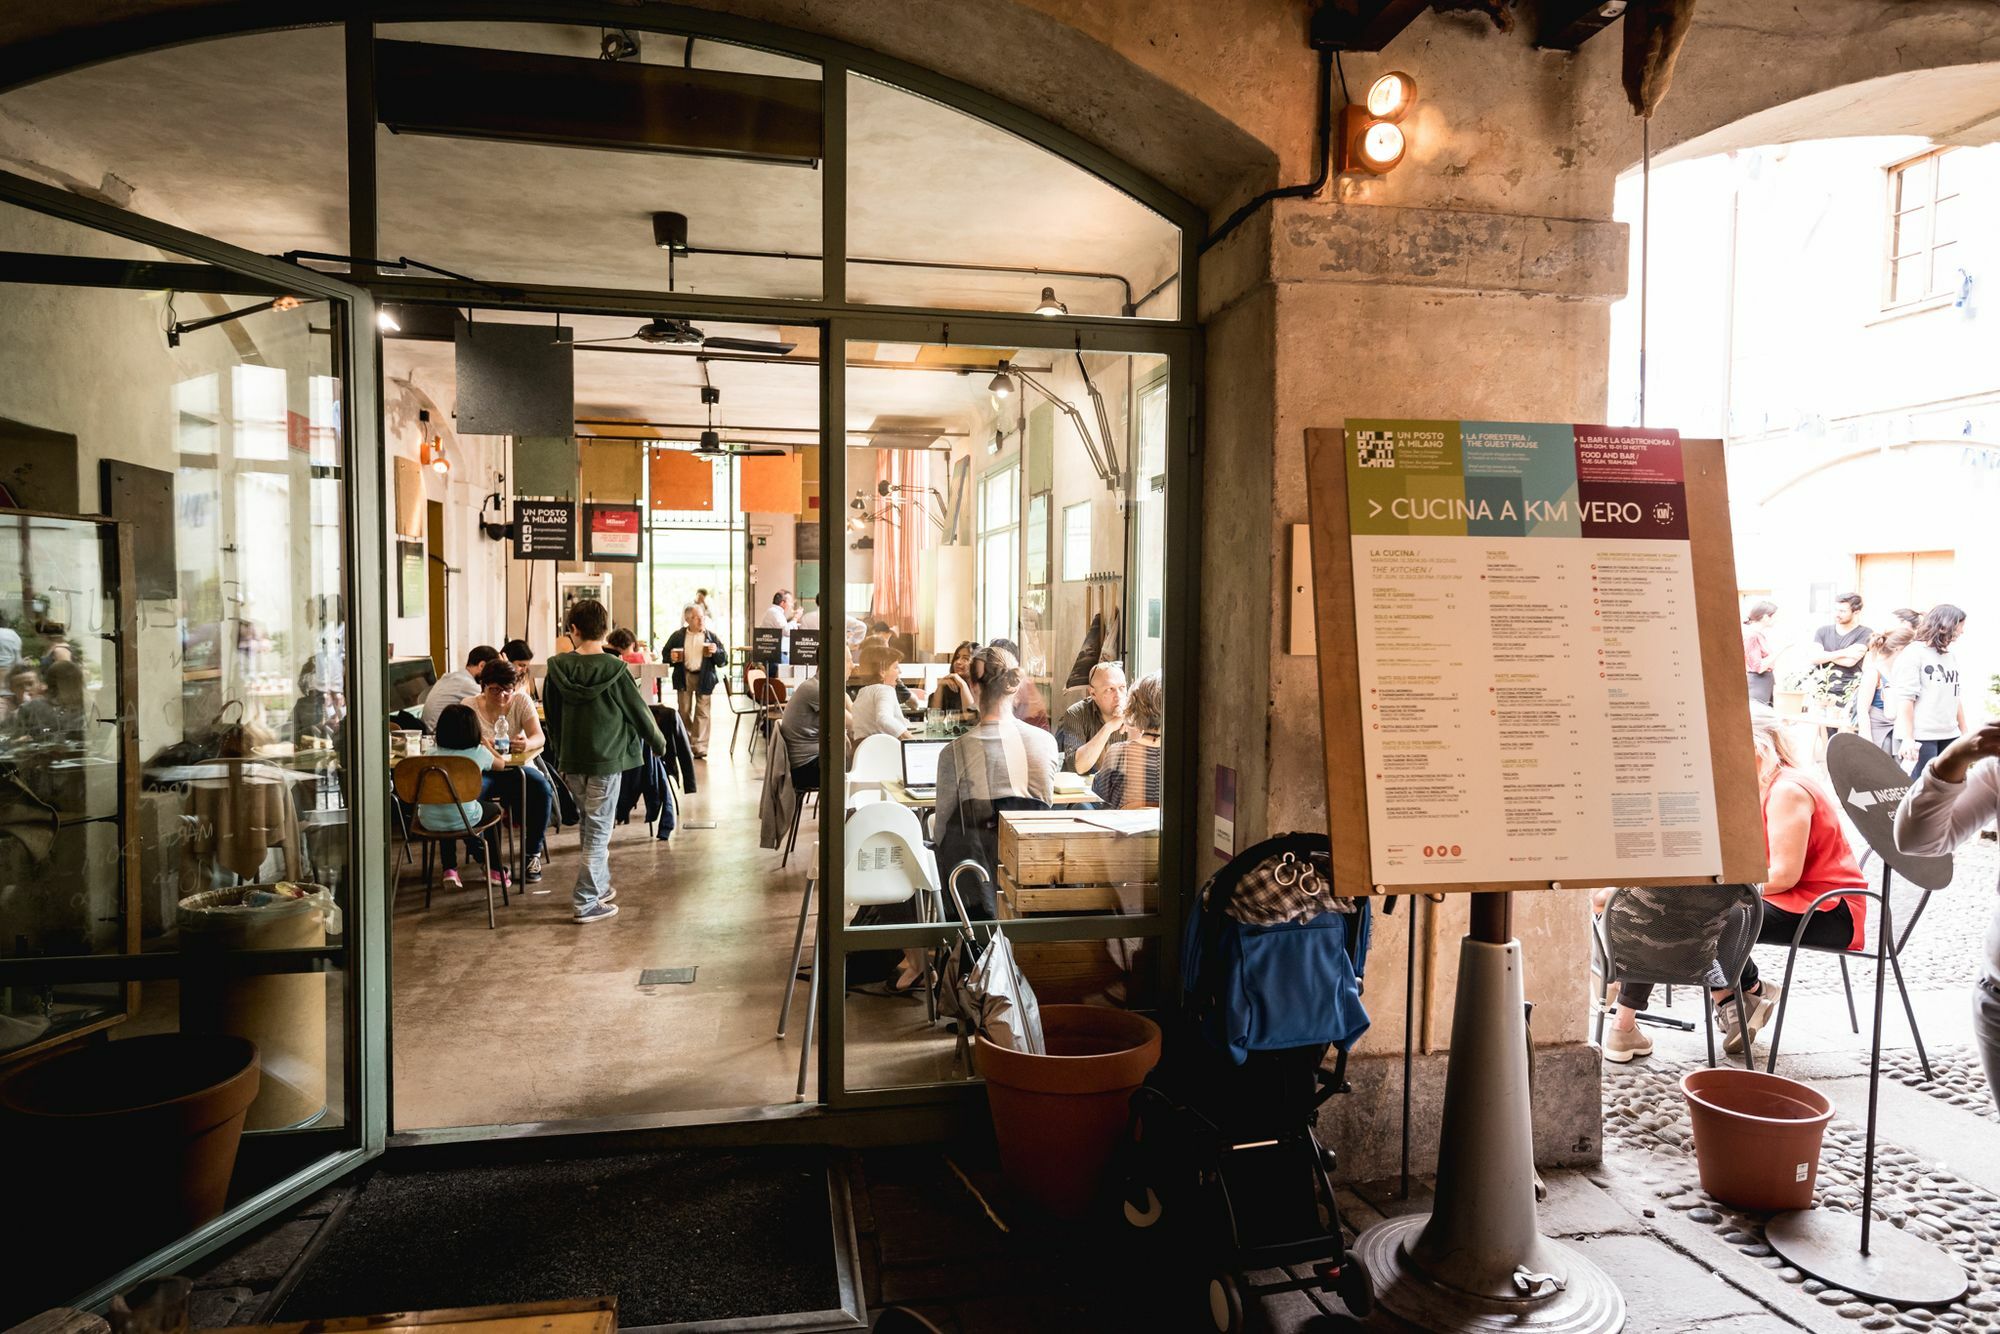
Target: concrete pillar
[1321, 310]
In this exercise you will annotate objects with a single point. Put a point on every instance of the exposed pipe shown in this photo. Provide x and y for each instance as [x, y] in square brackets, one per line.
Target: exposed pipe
[1129, 307]
[1309, 188]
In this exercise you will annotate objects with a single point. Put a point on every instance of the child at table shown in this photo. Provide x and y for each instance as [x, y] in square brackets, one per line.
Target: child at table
[458, 734]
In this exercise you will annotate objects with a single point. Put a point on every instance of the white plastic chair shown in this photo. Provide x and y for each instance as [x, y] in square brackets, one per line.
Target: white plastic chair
[885, 862]
[877, 759]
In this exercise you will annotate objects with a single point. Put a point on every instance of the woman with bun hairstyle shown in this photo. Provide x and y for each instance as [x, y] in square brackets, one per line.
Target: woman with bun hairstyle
[1000, 757]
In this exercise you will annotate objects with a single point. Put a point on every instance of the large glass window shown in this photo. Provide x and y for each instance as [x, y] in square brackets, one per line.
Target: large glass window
[176, 742]
[995, 724]
[946, 210]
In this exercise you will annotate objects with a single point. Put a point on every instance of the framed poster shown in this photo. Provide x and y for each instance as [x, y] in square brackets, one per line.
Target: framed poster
[613, 532]
[1526, 634]
[412, 588]
[544, 530]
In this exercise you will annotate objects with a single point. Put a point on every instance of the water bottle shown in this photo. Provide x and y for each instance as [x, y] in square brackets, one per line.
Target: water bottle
[500, 742]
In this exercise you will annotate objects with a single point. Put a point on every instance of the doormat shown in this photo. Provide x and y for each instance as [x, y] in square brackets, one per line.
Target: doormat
[653, 977]
[677, 1237]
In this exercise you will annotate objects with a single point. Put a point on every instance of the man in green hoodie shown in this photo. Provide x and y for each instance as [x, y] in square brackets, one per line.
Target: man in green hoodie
[600, 727]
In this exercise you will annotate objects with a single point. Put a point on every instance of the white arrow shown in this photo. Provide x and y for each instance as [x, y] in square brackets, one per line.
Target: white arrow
[1374, 508]
[1860, 800]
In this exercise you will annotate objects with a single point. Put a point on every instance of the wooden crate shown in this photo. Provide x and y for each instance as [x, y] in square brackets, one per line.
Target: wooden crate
[1066, 848]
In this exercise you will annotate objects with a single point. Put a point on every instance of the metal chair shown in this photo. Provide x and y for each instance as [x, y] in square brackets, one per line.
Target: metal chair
[1679, 936]
[885, 861]
[447, 780]
[743, 703]
[1896, 941]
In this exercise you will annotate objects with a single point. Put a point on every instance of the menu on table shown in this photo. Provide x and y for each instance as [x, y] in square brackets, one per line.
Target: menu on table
[1528, 656]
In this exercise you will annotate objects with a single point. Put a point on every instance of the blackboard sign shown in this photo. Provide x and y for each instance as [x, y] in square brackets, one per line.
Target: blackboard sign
[766, 643]
[1870, 785]
[805, 648]
[544, 530]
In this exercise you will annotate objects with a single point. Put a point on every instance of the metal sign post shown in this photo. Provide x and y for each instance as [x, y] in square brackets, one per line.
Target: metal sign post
[1841, 1249]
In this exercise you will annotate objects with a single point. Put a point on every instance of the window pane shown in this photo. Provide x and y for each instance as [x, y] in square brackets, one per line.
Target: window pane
[1951, 169]
[1948, 214]
[1907, 278]
[1909, 232]
[946, 210]
[1944, 270]
[1913, 184]
[1076, 541]
[240, 138]
[470, 194]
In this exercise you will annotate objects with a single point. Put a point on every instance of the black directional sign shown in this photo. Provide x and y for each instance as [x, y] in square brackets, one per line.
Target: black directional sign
[1869, 785]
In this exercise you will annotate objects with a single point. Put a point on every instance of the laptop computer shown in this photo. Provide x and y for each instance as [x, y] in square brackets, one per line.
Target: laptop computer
[920, 766]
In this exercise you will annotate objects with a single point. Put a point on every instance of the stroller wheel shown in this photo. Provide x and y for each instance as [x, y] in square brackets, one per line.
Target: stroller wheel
[1146, 1214]
[1355, 1287]
[1225, 1304]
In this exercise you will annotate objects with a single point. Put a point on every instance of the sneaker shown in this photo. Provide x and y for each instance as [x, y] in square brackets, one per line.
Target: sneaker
[603, 912]
[535, 869]
[452, 880]
[607, 896]
[1623, 1045]
[501, 880]
[1758, 1007]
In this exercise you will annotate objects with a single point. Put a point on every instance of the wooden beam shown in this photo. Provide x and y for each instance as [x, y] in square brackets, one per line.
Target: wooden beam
[1568, 24]
[1363, 25]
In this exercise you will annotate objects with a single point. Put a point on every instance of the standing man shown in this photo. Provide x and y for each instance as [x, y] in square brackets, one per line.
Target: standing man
[601, 727]
[1095, 721]
[1842, 646]
[698, 657]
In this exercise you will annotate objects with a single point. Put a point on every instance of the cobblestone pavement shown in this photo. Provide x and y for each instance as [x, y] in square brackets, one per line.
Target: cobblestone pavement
[1646, 1130]
[1959, 1078]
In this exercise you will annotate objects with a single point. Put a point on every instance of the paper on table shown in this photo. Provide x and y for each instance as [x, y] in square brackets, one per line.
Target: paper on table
[1125, 823]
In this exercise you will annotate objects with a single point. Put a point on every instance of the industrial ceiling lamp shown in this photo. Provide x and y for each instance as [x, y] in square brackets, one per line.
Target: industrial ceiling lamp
[1048, 305]
[385, 321]
[1372, 139]
[430, 453]
[1002, 384]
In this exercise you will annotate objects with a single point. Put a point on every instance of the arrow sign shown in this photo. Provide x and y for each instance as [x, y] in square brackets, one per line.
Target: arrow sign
[1869, 785]
[1374, 508]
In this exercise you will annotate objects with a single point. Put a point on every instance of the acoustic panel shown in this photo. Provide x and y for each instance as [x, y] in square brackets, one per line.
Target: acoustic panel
[769, 485]
[545, 466]
[514, 379]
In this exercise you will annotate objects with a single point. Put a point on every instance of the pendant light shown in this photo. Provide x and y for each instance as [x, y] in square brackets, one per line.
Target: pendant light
[1048, 305]
[1002, 384]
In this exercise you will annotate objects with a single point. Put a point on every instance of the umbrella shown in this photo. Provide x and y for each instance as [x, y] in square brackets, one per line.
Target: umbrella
[983, 984]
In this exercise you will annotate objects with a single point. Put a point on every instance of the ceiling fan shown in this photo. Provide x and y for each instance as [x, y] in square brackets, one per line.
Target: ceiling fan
[712, 444]
[681, 333]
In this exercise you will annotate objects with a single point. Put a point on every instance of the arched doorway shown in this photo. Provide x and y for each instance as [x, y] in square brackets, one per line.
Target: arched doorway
[970, 338]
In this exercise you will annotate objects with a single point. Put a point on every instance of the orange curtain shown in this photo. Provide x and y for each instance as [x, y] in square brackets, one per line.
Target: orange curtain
[901, 535]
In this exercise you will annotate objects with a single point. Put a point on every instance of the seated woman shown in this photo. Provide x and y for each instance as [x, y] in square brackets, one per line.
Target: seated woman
[1808, 856]
[1000, 763]
[879, 706]
[525, 791]
[1127, 777]
[626, 645]
[458, 734]
[954, 689]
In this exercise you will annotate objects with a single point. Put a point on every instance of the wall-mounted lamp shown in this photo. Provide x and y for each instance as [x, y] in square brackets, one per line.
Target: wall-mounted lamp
[430, 453]
[1048, 305]
[385, 321]
[1372, 139]
[1002, 384]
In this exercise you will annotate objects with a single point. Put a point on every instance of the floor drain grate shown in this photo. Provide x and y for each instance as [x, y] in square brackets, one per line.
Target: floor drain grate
[652, 977]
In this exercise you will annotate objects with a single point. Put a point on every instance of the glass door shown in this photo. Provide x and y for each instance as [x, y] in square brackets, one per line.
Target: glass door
[190, 622]
[1000, 485]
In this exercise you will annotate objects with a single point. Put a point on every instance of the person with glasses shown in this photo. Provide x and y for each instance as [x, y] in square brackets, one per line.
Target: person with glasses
[523, 791]
[1092, 724]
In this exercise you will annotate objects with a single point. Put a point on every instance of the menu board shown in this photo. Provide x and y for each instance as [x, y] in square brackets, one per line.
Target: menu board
[1527, 654]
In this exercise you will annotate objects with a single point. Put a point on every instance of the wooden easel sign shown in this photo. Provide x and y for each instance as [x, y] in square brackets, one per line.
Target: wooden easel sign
[1530, 668]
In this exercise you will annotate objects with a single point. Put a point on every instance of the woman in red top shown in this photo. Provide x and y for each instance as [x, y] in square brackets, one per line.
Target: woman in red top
[1808, 856]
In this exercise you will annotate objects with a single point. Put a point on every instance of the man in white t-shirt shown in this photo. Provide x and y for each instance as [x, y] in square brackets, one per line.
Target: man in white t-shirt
[780, 615]
[457, 687]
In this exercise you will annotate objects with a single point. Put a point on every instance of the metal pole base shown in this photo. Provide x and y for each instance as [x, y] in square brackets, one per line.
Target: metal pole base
[1899, 1268]
[1478, 1261]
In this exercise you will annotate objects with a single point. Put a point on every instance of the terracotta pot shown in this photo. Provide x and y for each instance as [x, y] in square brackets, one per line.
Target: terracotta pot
[1756, 1137]
[145, 1131]
[1059, 1116]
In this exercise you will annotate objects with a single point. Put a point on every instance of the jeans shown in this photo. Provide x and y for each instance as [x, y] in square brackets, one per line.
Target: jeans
[1926, 752]
[1986, 1009]
[597, 802]
[536, 814]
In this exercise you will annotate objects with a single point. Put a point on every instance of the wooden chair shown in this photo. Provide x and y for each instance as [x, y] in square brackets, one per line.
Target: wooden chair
[439, 780]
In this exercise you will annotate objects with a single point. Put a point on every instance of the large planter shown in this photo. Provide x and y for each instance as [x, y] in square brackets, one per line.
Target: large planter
[283, 1013]
[1756, 1137]
[1059, 1116]
[140, 1136]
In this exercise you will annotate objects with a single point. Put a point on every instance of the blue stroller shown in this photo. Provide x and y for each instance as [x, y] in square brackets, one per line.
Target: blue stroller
[1222, 1143]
